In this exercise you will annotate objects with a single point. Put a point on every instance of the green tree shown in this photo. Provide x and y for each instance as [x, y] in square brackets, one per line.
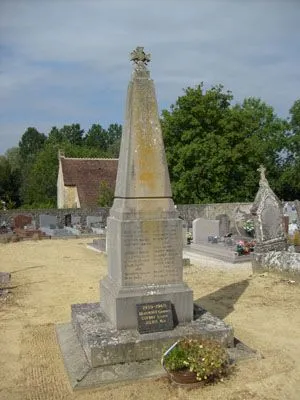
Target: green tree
[14, 158]
[41, 184]
[9, 183]
[289, 180]
[97, 137]
[213, 148]
[55, 136]
[72, 134]
[32, 141]
[106, 195]
[114, 134]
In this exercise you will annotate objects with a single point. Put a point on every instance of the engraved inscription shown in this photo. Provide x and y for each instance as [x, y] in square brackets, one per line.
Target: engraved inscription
[155, 317]
[152, 253]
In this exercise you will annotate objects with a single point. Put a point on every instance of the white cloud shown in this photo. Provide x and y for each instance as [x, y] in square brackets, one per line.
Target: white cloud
[63, 59]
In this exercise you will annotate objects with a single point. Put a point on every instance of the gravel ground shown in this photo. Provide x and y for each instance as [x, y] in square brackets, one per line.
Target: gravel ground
[48, 276]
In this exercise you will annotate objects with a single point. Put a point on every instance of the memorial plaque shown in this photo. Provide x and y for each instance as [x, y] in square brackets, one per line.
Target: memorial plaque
[155, 317]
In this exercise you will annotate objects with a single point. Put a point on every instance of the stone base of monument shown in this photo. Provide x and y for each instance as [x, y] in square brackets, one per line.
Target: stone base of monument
[120, 303]
[96, 353]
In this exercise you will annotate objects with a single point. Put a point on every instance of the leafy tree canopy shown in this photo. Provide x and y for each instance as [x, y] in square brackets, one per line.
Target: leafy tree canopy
[214, 148]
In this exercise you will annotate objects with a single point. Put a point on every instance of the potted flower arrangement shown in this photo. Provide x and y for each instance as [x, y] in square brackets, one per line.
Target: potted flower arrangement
[249, 227]
[194, 360]
[243, 247]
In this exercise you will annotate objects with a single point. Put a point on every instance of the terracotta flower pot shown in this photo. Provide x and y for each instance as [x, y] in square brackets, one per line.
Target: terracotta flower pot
[183, 376]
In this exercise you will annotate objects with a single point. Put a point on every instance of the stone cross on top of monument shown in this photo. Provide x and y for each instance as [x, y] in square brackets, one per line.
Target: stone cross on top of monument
[139, 56]
[263, 179]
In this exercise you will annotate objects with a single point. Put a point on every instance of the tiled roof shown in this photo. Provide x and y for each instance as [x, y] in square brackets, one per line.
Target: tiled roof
[86, 174]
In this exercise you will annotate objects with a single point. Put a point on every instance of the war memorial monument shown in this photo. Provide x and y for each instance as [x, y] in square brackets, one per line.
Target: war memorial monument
[144, 304]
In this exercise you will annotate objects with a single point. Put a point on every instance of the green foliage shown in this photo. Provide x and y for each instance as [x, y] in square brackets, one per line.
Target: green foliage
[72, 134]
[97, 137]
[10, 179]
[207, 358]
[214, 149]
[32, 141]
[55, 136]
[290, 171]
[106, 195]
[42, 178]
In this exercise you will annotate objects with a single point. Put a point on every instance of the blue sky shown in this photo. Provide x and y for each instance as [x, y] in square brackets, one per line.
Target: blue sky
[67, 61]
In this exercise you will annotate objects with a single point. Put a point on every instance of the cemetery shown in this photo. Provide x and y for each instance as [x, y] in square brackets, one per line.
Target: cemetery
[74, 319]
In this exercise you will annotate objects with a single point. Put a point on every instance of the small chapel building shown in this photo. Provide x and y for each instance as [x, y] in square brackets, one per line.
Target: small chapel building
[79, 180]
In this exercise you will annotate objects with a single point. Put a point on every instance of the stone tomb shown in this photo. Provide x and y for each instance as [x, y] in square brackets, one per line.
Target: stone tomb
[144, 250]
[92, 220]
[270, 232]
[21, 220]
[202, 228]
[48, 221]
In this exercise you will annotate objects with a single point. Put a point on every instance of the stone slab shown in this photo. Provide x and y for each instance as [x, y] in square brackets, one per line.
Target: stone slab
[105, 345]
[218, 251]
[82, 376]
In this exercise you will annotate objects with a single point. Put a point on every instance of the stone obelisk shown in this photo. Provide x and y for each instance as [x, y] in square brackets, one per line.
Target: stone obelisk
[144, 231]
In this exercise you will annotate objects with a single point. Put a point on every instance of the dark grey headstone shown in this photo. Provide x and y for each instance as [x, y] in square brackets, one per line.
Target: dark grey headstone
[47, 220]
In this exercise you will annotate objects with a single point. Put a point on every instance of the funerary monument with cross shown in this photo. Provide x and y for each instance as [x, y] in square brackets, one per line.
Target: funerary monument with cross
[144, 303]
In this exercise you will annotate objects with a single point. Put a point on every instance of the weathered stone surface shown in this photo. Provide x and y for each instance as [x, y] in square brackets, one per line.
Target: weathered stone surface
[202, 228]
[277, 261]
[297, 206]
[269, 225]
[144, 232]
[92, 220]
[105, 345]
[224, 226]
[82, 375]
[22, 220]
[119, 303]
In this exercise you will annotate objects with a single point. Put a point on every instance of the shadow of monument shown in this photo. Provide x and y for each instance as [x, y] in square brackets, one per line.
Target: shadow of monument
[221, 303]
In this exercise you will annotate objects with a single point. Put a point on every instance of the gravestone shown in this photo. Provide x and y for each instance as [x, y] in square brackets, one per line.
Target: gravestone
[268, 222]
[297, 206]
[144, 255]
[290, 210]
[93, 220]
[21, 220]
[203, 228]
[224, 227]
[48, 221]
[75, 220]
